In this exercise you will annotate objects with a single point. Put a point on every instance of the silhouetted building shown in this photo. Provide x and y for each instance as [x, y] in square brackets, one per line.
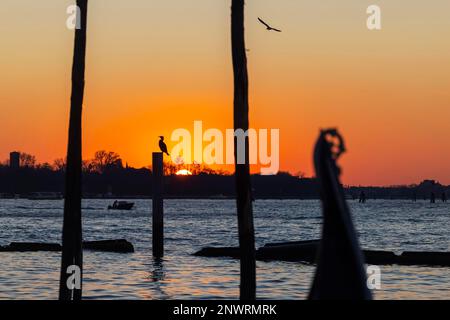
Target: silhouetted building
[14, 160]
[433, 198]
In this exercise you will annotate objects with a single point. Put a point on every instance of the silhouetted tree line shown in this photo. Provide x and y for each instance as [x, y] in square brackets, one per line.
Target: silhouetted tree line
[105, 174]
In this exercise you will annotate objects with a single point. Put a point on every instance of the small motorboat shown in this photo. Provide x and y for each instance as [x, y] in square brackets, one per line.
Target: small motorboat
[121, 205]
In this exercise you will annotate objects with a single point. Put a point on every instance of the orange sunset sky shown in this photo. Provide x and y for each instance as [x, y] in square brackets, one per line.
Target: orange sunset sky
[154, 66]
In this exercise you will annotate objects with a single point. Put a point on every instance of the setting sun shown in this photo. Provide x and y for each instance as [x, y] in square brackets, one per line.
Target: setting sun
[184, 172]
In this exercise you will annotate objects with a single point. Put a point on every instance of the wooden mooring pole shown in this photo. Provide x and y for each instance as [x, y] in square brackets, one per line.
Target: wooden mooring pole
[158, 205]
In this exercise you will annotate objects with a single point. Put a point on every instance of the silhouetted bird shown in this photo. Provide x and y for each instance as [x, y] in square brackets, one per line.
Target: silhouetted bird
[162, 145]
[268, 26]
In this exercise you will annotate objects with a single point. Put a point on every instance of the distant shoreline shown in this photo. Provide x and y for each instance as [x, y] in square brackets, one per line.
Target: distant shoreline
[126, 182]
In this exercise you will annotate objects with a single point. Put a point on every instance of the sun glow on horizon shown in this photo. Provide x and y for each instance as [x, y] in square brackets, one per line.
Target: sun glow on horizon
[183, 172]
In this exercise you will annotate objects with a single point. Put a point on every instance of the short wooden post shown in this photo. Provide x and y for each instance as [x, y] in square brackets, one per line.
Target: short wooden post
[158, 205]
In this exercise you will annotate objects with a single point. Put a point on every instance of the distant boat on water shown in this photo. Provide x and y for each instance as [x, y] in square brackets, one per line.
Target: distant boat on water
[45, 196]
[121, 205]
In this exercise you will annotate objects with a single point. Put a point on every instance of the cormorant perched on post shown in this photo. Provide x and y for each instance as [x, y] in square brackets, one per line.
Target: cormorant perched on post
[162, 145]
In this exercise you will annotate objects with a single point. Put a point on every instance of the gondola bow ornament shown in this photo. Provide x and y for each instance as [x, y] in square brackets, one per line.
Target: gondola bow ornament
[340, 272]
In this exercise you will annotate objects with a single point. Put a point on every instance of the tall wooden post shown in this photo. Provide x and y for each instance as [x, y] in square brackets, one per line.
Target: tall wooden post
[72, 255]
[242, 170]
[158, 205]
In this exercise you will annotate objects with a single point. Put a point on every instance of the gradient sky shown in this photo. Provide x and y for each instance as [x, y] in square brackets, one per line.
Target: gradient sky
[154, 66]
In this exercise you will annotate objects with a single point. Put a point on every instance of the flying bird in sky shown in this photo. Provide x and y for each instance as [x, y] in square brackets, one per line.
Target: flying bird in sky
[268, 26]
[162, 145]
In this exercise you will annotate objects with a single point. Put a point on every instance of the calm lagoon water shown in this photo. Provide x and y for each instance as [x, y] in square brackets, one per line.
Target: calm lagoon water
[193, 224]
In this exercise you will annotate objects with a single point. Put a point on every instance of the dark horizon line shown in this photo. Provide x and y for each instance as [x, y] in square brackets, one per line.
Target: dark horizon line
[118, 164]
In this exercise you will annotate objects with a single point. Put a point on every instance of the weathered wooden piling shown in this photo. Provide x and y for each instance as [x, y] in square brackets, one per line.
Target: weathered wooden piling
[425, 258]
[306, 251]
[158, 205]
[72, 252]
[115, 245]
[246, 229]
[362, 197]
